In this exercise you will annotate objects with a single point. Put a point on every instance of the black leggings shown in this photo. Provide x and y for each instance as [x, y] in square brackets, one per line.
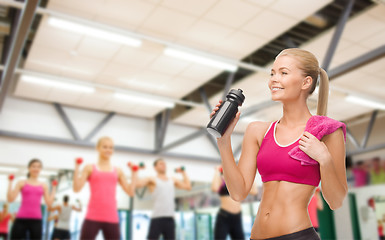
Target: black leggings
[90, 230]
[4, 235]
[164, 226]
[228, 224]
[61, 234]
[22, 226]
[307, 234]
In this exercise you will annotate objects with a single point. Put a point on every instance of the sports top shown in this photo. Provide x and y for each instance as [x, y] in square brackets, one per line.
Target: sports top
[163, 197]
[223, 191]
[275, 164]
[30, 201]
[102, 206]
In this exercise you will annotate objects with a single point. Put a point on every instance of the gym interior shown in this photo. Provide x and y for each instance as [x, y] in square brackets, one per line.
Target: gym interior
[148, 73]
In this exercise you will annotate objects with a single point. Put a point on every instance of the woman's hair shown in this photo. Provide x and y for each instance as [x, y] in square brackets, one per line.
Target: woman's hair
[308, 63]
[66, 198]
[100, 140]
[35, 160]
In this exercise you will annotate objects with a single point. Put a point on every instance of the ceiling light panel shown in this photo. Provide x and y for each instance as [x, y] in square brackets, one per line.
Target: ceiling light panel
[93, 32]
[57, 84]
[200, 59]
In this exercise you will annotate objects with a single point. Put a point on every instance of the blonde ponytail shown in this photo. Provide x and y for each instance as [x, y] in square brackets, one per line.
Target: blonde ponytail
[323, 93]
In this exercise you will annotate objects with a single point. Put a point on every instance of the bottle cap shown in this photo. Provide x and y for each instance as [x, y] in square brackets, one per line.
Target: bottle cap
[237, 95]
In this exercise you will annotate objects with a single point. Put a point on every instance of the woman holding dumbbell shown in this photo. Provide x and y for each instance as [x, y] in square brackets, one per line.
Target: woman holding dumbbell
[29, 216]
[5, 217]
[102, 212]
[229, 216]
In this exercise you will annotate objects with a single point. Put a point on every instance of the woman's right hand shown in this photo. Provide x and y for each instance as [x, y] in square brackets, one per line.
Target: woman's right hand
[230, 128]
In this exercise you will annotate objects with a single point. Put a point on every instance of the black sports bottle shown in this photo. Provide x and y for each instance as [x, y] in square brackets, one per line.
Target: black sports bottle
[226, 112]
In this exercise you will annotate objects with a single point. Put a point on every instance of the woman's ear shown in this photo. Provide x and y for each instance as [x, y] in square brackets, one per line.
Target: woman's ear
[307, 83]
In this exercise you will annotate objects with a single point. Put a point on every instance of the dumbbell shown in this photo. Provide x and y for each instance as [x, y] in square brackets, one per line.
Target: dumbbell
[133, 167]
[79, 160]
[220, 169]
[54, 183]
[11, 177]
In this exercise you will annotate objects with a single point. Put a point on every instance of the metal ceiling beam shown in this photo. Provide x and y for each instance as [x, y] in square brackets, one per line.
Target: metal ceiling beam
[182, 140]
[67, 121]
[82, 143]
[50, 12]
[357, 62]
[366, 150]
[352, 138]
[337, 34]
[229, 81]
[161, 123]
[369, 129]
[205, 99]
[100, 125]
[103, 86]
[25, 22]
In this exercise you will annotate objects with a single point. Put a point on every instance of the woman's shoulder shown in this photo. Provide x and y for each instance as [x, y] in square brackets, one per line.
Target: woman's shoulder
[259, 126]
[258, 129]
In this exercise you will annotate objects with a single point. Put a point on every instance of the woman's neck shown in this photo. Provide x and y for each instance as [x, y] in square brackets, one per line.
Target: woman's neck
[295, 113]
[103, 161]
[33, 179]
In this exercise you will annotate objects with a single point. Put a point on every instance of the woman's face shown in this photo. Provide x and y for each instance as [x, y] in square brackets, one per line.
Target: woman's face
[106, 148]
[287, 81]
[34, 169]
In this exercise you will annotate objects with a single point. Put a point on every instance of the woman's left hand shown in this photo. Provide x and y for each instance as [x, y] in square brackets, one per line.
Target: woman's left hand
[313, 147]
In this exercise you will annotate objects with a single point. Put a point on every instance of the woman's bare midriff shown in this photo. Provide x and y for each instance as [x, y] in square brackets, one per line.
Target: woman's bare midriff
[228, 204]
[283, 209]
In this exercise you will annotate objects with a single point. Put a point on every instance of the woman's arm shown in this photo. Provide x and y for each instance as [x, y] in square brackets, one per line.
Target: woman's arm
[12, 194]
[217, 181]
[330, 154]
[49, 198]
[128, 188]
[320, 205]
[80, 181]
[239, 179]
[56, 208]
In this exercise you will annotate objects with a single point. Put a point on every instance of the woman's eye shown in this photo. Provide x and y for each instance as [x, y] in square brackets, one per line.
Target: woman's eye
[271, 74]
[284, 73]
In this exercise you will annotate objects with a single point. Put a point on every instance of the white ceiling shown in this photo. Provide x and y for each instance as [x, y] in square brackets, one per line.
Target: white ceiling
[357, 39]
[228, 28]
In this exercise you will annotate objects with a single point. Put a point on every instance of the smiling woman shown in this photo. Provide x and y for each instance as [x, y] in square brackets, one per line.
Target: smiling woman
[288, 184]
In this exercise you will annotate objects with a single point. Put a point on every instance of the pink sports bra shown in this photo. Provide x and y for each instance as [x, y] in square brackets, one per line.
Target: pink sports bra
[275, 164]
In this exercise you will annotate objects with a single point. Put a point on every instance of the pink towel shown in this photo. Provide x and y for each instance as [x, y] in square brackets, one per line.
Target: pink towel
[319, 126]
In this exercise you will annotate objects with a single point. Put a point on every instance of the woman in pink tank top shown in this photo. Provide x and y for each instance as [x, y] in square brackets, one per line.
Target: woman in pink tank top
[5, 217]
[28, 218]
[288, 184]
[102, 211]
